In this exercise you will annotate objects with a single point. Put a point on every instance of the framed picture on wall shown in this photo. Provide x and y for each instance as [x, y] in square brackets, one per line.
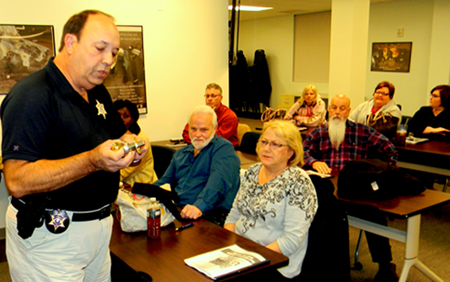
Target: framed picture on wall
[24, 49]
[391, 56]
[126, 80]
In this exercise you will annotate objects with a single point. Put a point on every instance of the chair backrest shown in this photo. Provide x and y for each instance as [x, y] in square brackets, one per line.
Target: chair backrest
[328, 244]
[405, 118]
[242, 129]
[161, 159]
[248, 143]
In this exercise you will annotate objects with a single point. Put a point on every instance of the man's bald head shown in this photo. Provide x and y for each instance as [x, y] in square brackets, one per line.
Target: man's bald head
[339, 105]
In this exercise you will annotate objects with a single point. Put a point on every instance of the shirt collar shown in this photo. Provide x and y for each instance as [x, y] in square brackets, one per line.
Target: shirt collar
[219, 108]
[61, 82]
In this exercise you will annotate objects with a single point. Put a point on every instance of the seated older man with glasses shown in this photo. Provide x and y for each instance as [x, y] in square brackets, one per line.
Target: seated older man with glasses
[227, 121]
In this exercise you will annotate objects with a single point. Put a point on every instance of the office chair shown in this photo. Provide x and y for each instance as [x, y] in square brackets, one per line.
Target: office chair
[162, 156]
[120, 271]
[242, 129]
[404, 119]
[248, 143]
[327, 257]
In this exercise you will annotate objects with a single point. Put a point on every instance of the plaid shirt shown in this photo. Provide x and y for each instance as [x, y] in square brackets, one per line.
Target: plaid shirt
[358, 140]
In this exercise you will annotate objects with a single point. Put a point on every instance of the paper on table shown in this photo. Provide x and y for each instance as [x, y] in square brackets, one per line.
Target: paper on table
[323, 175]
[415, 140]
[177, 145]
[225, 261]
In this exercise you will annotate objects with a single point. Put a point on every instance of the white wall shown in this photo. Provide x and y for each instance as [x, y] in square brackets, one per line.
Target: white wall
[439, 71]
[415, 17]
[276, 37]
[425, 22]
[185, 48]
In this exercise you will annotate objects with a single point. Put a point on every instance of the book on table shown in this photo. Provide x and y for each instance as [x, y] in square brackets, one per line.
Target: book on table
[226, 261]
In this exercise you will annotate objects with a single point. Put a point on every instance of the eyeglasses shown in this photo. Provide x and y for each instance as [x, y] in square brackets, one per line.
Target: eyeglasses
[381, 93]
[212, 96]
[341, 108]
[272, 144]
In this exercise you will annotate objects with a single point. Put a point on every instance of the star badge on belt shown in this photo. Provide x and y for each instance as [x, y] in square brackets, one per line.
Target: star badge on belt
[101, 109]
[57, 220]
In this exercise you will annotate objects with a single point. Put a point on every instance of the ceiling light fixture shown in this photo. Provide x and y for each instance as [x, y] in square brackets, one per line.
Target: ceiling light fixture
[250, 8]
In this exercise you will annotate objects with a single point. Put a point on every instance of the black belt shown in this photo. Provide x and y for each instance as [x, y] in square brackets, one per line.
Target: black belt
[99, 215]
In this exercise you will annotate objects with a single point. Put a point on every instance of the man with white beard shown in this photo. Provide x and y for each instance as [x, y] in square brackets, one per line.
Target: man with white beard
[329, 147]
[204, 174]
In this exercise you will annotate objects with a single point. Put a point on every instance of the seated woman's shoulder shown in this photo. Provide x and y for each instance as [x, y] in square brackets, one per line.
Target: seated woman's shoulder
[320, 100]
[298, 171]
[424, 109]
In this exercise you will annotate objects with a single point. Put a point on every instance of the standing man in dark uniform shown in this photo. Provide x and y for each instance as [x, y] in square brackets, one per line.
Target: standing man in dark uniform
[59, 125]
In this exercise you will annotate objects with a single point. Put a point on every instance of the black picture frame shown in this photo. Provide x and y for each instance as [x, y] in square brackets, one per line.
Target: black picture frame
[24, 49]
[391, 56]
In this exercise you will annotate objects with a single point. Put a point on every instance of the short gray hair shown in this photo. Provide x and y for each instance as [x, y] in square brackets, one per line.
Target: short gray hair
[203, 109]
[214, 86]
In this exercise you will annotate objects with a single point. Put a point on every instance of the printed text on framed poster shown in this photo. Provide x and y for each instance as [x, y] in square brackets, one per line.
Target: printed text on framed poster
[126, 80]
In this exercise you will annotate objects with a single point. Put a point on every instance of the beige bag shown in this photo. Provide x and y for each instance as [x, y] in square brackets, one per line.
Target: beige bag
[270, 114]
[133, 212]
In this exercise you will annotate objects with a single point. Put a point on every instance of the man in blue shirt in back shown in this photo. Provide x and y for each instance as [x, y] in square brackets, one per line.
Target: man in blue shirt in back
[205, 174]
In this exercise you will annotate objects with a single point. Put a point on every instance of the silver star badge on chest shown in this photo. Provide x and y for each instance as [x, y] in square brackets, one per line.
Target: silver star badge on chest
[101, 109]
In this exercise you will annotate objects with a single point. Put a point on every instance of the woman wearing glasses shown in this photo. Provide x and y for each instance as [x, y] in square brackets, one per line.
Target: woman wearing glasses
[380, 112]
[276, 201]
[433, 122]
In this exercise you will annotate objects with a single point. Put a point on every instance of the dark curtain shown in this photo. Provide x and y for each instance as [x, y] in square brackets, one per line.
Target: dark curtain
[261, 78]
[241, 90]
[249, 86]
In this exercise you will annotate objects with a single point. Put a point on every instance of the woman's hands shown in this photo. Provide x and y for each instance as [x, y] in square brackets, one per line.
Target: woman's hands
[438, 130]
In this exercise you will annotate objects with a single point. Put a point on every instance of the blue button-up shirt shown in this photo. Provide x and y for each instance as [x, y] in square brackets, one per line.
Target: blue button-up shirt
[208, 181]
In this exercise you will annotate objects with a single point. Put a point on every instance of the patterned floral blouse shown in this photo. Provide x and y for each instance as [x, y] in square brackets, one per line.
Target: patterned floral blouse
[280, 210]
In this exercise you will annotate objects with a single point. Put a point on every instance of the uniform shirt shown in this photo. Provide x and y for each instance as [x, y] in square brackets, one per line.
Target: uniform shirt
[358, 140]
[280, 210]
[208, 181]
[227, 124]
[43, 117]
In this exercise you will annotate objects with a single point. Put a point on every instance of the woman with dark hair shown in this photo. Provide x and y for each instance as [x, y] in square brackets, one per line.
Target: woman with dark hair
[309, 110]
[380, 112]
[143, 172]
[433, 122]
